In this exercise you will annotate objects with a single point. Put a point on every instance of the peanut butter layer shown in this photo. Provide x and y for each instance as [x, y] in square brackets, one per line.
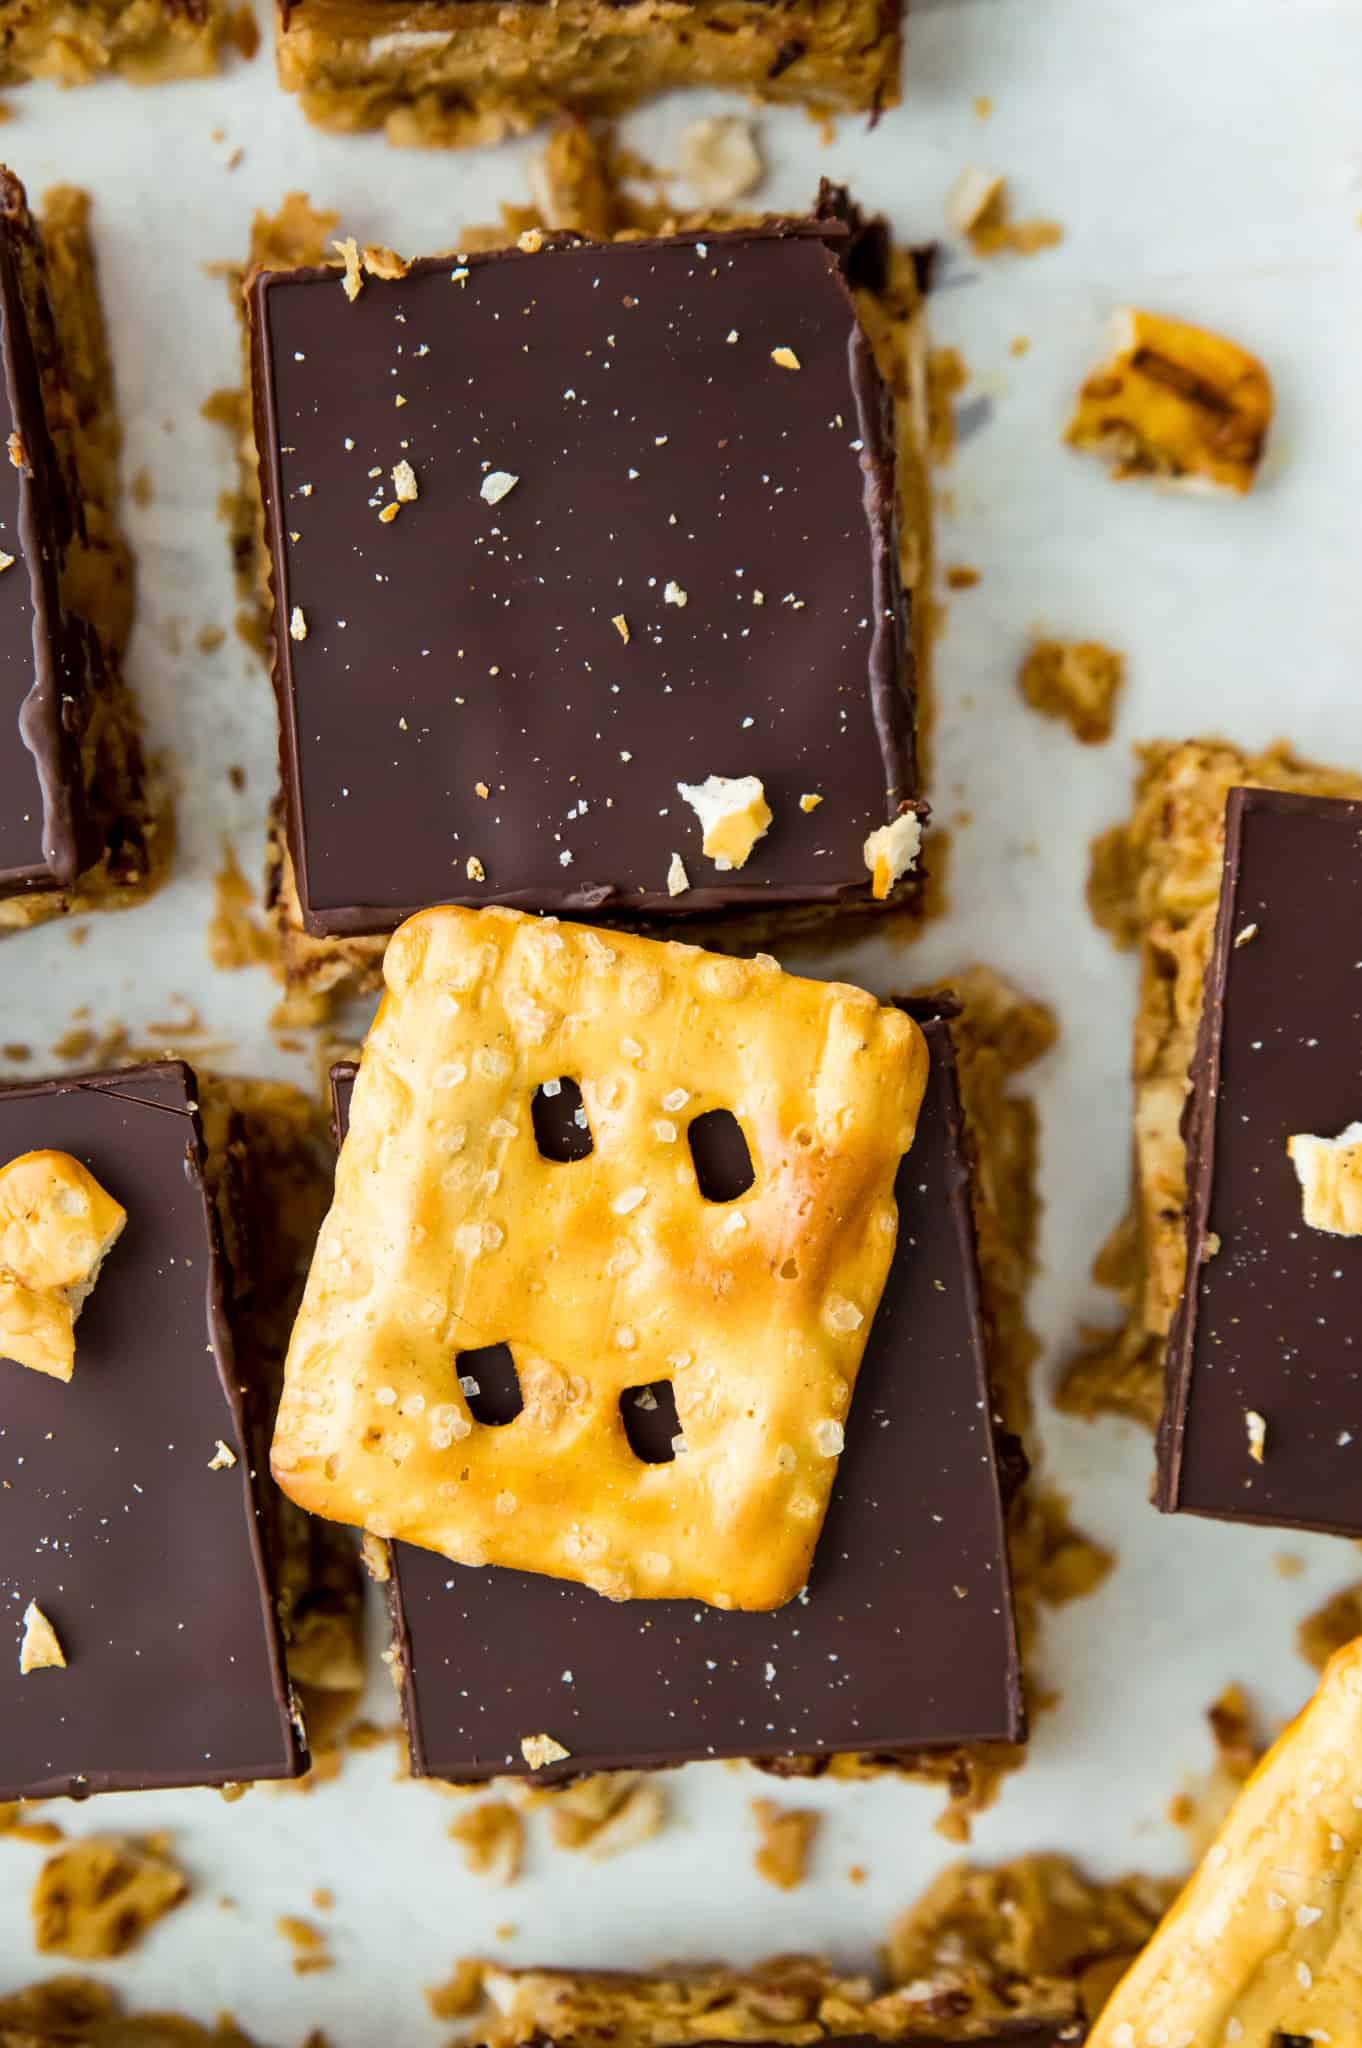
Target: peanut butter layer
[469, 71]
[1155, 884]
[77, 41]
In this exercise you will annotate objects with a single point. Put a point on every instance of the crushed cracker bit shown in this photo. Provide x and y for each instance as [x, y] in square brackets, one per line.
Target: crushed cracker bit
[18, 454]
[977, 208]
[492, 1836]
[385, 263]
[787, 1838]
[352, 277]
[542, 1750]
[57, 1226]
[1256, 1425]
[496, 485]
[404, 482]
[1245, 936]
[1076, 680]
[389, 513]
[97, 1899]
[678, 881]
[785, 358]
[6, 561]
[223, 1458]
[809, 802]
[374, 1552]
[39, 1649]
[297, 625]
[607, 1813]
[1177, 402]
[474, 869]
[719, 158]
[892, 851]
[481, 789]
[530, 242]
[733, 814]
[621, 626]
[1330, 1174]
[674, 594]
[462, 1995]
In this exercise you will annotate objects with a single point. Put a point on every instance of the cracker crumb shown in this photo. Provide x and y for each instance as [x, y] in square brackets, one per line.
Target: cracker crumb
[977, 207]
[385, 263]
[542, 1750]
[492, 1836]
[785, 358]
[39, 1650]
[98, 1898]
[6, 561]
[297, 625]
[1076, 680]
[530, 242]
[1256, 1425]
[719, 159]
[496, 485]
[674, 594]
[1329, 1171]
[474, 869]
[18, 454]
[1245, 936]
[352, 277]
[787, 1838]
[236, 937]
[892, 851]
[606, 1814]
[223, 1458]
[810, 802]
[1329, 1627]
[960, 577]
[734, 814]
[404, 482]
[678, 881]
[377, 1563]
[619, 622]
[1177, 402]
[481, 789]
[389, 513]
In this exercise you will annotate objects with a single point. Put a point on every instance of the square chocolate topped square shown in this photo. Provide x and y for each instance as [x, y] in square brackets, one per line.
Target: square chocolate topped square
[128, 1513]
[556, 533]
[1263, 1414]
[904, 1641]
[710, 1244]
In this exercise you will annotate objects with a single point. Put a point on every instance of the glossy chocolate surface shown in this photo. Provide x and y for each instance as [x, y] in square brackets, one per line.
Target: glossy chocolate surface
[1272, 1319]
[630, 388]
[904, 1638]
[147, 1563]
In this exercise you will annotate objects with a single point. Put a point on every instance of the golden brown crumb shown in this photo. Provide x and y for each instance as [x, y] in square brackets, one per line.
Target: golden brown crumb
[492, 1836]
[300, 1933]
[1076, 680]
[352, 279]
[787, 1837]
[1287, 1564]
[99, 1897]
[245, 32]
[978, 209]
[323, 1898]
[959, 577]
[1175, 401]
[15, 1821]
[606, 1813]
[381, 262]
[462, 1994]
[1329, 1627]
[236, 938]
[140, 488]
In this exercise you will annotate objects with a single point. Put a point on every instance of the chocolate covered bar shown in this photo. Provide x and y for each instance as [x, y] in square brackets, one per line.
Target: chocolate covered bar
[1016, 1956]
[80, 828]
[610, 622]
[1155, 884]
[78, 41]
[903, 1640]
[466, 71]
[1262, 1415]
[138, 1525]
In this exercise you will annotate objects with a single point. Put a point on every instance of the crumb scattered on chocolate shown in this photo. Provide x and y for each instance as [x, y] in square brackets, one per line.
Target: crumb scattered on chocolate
[39, 1648]
[541, 1750]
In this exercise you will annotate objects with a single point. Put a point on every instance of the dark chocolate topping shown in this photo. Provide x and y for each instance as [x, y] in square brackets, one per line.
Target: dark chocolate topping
[1272, 1320]
[148, 1565]
[904, 1638]
[630, 388]
[40, 651]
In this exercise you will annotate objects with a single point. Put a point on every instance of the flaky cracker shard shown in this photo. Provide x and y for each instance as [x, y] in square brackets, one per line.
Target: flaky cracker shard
[1266, 1940]
[57, 1225]
[1330, 1173]
[605, 1274]
[1176, 401]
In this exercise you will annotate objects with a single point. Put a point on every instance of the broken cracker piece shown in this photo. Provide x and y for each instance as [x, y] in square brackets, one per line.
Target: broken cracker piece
[1256, 1427]
[57, 1226]
[1077, 680]
[1330, 1173]
[1264, 1946]
[678, 881]
[492, 1836]
[733, 813]
[1176, 401]
[352, 278]
[607, 1813]
[541, 1750]
[787, 1837]
[892, 851]
[40, 1649]
[977, 208]
[381, 262]
[404, 482]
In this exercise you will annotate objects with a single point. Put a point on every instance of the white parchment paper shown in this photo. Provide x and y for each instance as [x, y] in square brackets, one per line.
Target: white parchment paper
[1205, 159]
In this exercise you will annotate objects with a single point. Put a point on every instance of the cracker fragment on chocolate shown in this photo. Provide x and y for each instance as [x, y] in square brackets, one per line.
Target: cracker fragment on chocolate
[39, 1649]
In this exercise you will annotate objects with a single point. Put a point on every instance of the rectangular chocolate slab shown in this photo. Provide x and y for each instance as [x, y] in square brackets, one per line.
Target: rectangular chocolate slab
[703, 459]
[148, 1564]
[44, 836]
[904, 1638]
[1270, 1321]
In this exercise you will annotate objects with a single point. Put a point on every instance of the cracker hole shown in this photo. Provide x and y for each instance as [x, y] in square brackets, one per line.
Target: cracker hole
[723, 1164]
[790, 1270]
[561, 1130]
[1291, 2041]
[494, 1398]
[650, 1421]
